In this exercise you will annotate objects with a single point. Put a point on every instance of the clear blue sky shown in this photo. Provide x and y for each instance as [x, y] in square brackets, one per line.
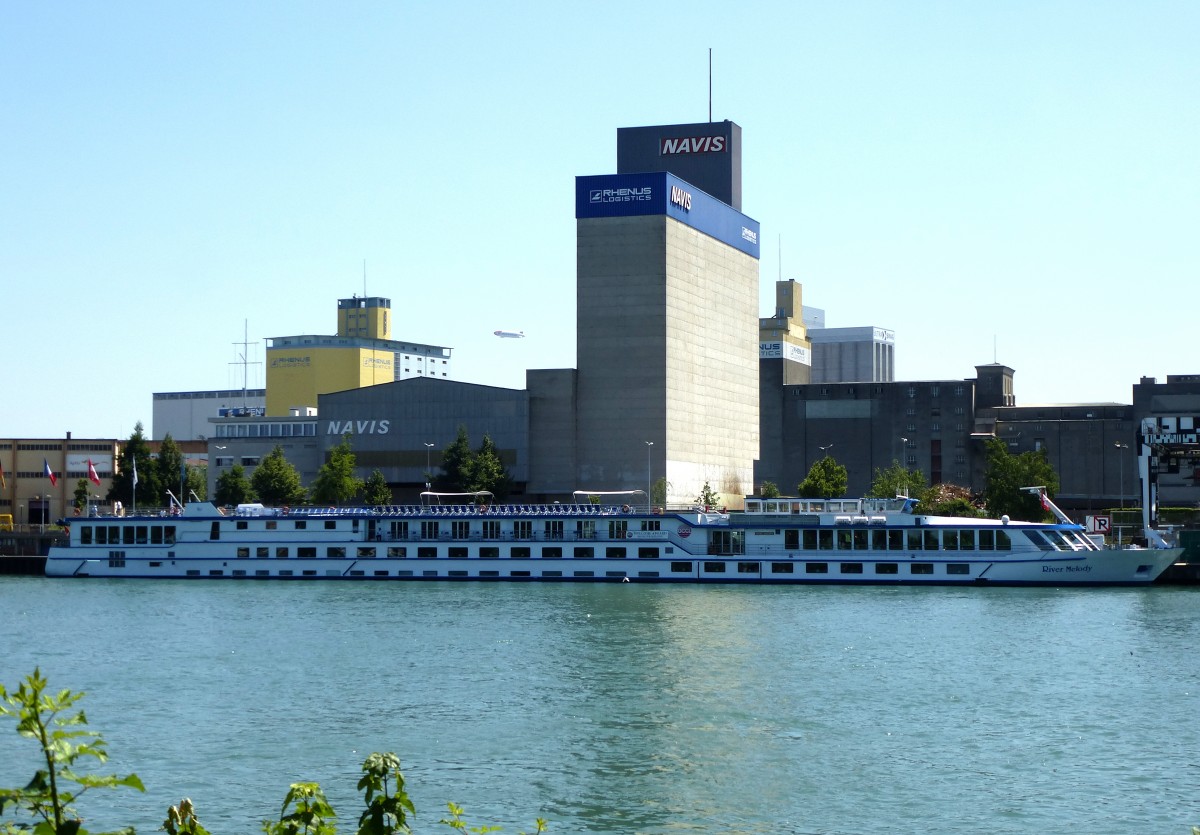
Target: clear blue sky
[993, 181]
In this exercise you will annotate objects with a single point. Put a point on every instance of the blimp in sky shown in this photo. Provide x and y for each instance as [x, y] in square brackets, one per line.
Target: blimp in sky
[510, 334]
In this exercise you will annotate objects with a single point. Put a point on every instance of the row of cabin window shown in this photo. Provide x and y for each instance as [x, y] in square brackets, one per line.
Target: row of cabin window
[879, 568]
[754, 568]
[431, 552]
[297, 524]
[127, 535]
[466, 529]
[909, 539]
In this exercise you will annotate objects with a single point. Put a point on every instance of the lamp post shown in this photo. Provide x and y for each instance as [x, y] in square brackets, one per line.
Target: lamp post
[903, 446]
[649, 484]
[428, 467]
[1121, 471]
[824, 449]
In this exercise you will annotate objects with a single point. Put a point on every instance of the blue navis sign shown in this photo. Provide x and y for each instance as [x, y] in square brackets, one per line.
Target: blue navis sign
[660, 193]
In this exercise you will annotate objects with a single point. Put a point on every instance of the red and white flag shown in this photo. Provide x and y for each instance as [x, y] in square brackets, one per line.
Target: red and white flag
[49, 472]
[92, 475]
[1045, 501]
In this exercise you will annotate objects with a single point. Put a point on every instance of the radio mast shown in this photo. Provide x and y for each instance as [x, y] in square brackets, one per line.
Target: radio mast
[245, 362]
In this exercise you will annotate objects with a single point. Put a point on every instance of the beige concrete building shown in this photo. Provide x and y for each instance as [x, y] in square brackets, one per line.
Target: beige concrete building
[27, 492]
[667, 294]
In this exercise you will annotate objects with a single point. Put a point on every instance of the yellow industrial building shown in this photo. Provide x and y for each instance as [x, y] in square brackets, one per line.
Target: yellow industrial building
[362, 353]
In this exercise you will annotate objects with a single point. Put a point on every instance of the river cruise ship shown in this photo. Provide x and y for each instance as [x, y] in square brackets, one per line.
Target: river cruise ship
[471, 537]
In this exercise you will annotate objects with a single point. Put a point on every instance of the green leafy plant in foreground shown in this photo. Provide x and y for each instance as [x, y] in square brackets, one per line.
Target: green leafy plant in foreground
[182, 820]
[49, 720]
[388, 805]
[311, 813]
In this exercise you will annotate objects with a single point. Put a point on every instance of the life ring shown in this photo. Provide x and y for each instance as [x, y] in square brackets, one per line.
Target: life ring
[625, 508]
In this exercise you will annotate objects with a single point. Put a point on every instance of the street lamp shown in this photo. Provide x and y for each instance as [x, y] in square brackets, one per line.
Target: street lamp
[824, 448]
[903, 446]
[1121, 471]
[428, 468]
[648, 482]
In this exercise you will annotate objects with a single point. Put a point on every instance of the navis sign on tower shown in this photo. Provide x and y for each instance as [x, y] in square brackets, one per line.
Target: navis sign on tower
[693, 145]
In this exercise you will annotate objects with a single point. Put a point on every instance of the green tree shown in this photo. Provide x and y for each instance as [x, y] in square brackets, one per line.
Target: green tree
[769, 490]
[80, 501]
[659, 491]
[276, 482]
[708, 497]
[336, 482]
[49, 719]
[376, 490]
[170, 467]
[826, 479]
[458, 462]
[488, 471]
[948, 500]
[197, 482]
[135, 457]
[1005, 476]
[897, 480]
[233, 488]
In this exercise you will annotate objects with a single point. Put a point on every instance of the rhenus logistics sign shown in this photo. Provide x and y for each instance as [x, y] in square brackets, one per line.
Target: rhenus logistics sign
[661, 193]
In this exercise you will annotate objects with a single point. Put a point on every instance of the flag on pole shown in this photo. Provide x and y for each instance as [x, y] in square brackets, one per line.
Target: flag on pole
[3, 483]
[1045, 501]
[49, 473]
[135, 473]
[93, 477]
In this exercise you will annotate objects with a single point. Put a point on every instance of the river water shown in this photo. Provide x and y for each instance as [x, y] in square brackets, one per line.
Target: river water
[630, 708]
